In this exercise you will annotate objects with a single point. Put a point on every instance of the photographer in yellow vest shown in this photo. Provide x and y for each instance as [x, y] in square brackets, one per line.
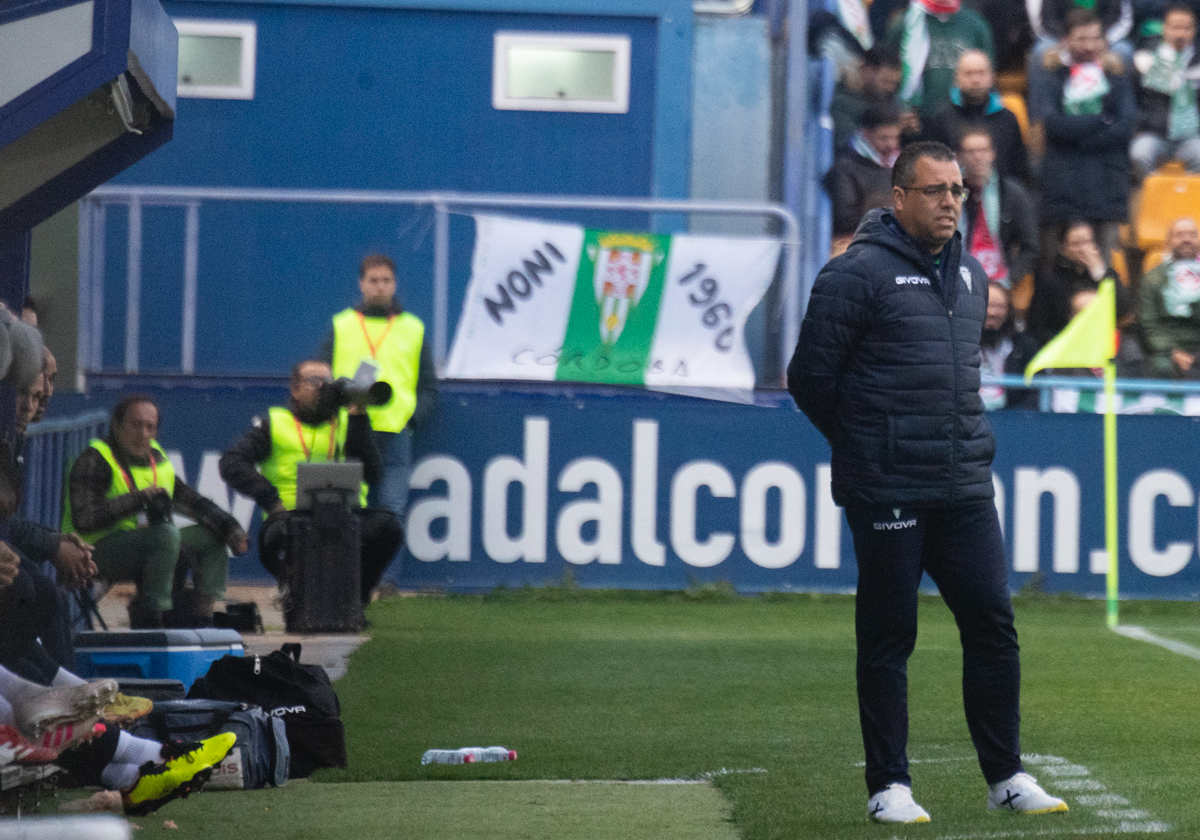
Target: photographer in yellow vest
[380, 332]
[122, 493]
[263, 465]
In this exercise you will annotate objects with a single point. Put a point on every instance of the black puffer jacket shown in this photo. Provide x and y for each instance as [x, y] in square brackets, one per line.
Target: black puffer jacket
[887, 368]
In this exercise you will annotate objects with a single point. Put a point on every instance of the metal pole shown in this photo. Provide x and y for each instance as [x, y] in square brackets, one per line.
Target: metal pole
[191, 261]
[441, 282]
[133, 284]
[791, 292]
[96, 282]
[88, 209]
[796, 117]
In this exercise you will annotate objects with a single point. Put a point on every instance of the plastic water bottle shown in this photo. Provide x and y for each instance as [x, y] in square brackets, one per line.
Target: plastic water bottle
[468, 755]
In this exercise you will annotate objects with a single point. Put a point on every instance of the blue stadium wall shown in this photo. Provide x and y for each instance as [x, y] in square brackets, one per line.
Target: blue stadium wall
[370, 94]
[698, 492]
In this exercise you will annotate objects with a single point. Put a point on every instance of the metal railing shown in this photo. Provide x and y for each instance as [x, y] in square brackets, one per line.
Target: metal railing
[1046, 385]
[92, 250]
[50, 447]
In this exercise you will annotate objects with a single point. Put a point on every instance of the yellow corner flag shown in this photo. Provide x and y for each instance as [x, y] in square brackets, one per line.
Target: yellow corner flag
[1089, 341]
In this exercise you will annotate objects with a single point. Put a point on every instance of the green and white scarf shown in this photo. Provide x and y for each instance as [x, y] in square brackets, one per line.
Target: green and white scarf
[1168, 74]
[1085, 89]
[860, 144]
[1182, 288]
[914, 52]
[853, 16]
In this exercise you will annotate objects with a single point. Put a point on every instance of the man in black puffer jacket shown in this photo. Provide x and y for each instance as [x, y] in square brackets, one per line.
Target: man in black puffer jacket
[887, 368]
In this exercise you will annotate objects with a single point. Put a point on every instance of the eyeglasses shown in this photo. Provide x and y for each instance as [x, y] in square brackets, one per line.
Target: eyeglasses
[957, 191]
[316, 381]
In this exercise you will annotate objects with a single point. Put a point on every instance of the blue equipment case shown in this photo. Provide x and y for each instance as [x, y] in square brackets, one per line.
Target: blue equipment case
[180, 655]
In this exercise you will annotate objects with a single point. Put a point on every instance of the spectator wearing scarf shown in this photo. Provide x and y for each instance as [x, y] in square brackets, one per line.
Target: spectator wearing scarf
[1049, 21]
[930, 37]
[996, 345]
[998, 222]
[1169, 307]
[861, 177]
[1168, 75]
[1088, 126]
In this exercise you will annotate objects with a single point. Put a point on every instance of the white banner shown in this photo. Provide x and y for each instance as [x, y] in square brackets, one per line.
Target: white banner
[551, 301]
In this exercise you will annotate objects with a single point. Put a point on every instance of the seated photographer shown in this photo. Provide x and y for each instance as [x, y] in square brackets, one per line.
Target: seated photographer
[264, 464]
[121, 494]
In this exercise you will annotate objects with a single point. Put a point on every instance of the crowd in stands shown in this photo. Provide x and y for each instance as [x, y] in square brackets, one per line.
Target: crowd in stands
[1064, 114]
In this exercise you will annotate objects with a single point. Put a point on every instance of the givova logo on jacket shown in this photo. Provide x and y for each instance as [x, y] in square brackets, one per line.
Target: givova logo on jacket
[912, 281]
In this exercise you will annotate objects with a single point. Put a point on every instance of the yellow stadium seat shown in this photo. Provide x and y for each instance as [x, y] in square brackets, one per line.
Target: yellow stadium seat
[1022, 293]
[1167, 195]
[1016, 103]
[1117, 261]
[1012, 82]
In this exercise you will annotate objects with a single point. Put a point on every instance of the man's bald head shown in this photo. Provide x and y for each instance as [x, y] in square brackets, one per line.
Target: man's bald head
[1183, 239]
[973, 76]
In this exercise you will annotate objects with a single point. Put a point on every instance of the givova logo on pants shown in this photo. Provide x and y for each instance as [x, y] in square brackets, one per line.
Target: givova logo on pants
[897, 525]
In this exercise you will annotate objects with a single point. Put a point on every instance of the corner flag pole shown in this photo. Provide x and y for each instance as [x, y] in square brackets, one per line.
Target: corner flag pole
[1090, 341]
[1110, 488]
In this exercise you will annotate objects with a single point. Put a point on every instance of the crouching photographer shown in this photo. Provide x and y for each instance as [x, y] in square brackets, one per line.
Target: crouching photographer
[312, 428]
[122, 493]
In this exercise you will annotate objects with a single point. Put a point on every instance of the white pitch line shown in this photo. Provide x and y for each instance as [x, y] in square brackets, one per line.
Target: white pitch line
[1122, 828]
[926, 760]
[702, 779]
[1143, 635]
[1101, 800]
[1078, 784]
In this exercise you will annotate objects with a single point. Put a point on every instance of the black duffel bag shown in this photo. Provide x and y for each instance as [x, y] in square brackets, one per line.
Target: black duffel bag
[300, 695]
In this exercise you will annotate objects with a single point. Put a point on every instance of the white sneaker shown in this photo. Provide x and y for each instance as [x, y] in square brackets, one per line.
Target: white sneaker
[1023, 795]
[894, 804]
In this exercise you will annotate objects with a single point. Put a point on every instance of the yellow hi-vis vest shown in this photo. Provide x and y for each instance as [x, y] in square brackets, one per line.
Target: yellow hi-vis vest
[394, 343]
[161, 474]
[293, 442]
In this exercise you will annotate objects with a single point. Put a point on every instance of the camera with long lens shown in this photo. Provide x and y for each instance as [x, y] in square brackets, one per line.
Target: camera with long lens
[346, 392]
[158, 508]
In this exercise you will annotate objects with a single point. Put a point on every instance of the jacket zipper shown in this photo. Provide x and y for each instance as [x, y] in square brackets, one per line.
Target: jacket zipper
[954, 424]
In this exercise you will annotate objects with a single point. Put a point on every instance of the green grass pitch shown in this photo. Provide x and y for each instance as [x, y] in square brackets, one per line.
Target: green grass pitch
[754, 697]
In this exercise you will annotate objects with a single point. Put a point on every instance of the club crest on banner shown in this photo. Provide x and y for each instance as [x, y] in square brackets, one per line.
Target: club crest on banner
[623, 263]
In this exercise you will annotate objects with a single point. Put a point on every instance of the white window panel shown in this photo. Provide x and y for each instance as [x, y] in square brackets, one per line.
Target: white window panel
[538, 71]
[216, 58]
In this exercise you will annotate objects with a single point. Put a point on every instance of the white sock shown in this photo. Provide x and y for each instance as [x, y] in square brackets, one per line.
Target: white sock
[15, 689]
[6, 714]
[65, 678]
[136, 751]
[119, 776]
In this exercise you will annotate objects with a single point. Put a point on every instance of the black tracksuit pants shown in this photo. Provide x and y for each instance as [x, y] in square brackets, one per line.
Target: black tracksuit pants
[962, 550]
